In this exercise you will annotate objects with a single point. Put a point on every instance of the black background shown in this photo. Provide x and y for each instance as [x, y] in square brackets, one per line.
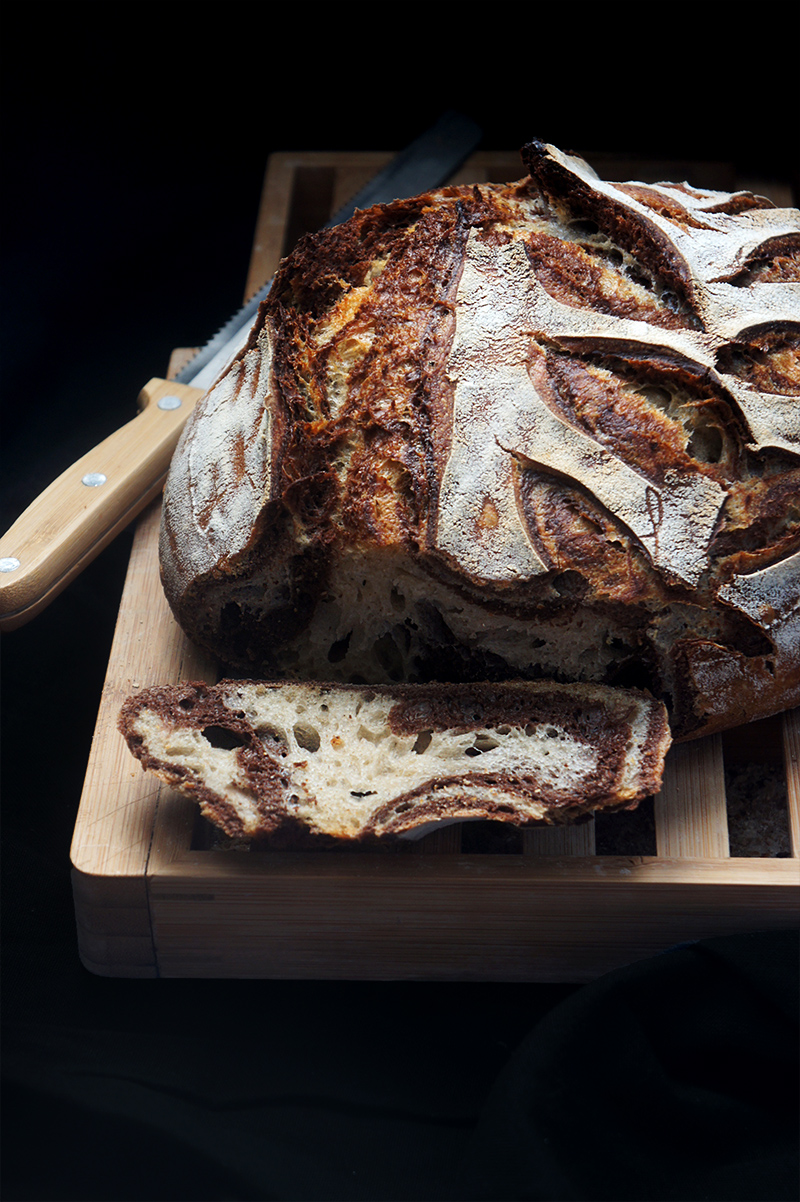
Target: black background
[135, 138]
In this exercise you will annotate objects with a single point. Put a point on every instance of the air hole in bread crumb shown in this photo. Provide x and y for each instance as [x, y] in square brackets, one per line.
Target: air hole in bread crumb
[186, 703]
[221, 737]
[307, 736]
[269, 734]
[423, 741]
[371, 736]
[706, 445]
[338, 650]
[583, 227]
[656, 396]
[404, 805]
[570, 584]
[388, 655]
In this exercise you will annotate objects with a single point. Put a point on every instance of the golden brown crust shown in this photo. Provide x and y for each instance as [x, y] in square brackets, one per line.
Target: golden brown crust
[561, 405]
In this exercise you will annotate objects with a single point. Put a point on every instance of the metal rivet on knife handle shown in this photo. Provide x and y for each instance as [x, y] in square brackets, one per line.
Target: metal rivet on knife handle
[73, 519]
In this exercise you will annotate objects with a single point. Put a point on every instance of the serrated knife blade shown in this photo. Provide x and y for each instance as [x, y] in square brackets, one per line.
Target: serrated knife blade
[93, 500]
[428, 162]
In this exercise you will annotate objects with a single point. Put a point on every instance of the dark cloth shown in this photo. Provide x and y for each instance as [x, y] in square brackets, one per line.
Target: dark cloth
[675, 1078]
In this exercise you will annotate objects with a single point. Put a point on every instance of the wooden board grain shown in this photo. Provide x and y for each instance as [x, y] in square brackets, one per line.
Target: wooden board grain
[155, 895]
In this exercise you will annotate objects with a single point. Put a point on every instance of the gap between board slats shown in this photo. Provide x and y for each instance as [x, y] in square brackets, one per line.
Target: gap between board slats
[536, 841]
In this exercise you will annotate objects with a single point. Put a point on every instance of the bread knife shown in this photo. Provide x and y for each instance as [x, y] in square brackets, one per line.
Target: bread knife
[71, 522]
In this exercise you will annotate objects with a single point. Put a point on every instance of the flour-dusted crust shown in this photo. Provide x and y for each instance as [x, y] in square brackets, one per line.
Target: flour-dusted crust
[543, 429]
[331, 762]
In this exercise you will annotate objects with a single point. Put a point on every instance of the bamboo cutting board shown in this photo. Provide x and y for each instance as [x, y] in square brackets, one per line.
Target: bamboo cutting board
[717, 852]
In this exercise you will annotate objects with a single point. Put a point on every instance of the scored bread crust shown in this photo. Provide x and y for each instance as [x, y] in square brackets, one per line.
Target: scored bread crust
[543, 429]
[329, 762]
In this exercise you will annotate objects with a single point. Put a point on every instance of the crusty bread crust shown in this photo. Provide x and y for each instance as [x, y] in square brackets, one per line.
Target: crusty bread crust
[328, 762]
[549, 428]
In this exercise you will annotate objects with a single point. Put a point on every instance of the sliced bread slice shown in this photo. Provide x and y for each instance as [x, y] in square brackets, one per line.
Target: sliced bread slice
[291, 761]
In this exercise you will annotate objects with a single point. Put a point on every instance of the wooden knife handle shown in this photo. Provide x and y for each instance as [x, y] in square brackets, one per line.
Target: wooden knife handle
[90, 503]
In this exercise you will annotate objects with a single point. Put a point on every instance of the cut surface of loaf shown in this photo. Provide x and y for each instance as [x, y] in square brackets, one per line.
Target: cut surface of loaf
[329, 762]
[542, 429]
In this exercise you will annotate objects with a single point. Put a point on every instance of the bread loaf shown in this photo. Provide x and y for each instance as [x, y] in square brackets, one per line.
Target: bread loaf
[549, 429]
[324, 763]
